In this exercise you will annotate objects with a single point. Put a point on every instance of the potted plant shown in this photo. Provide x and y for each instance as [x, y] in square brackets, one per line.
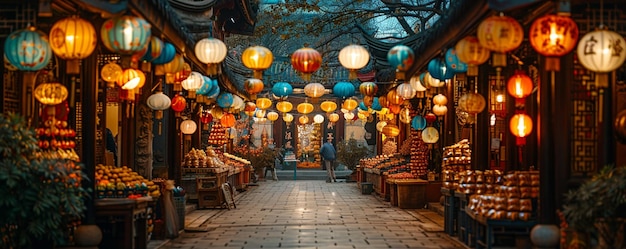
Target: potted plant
[598, 208]
[350, 151]
[42, 197]
[262, 158]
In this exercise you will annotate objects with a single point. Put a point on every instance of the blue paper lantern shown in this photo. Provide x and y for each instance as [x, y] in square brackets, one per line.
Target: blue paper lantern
[225, 100]
[418, 123]
[453, 62]
[167, 54]
[401, 57]
[125, 34]
[343, 89]
[362, 106]
[439, 70]
[154, 49]
[376, 106]
[215, 90]
[28, 49]
[206, 87]
[282, 89]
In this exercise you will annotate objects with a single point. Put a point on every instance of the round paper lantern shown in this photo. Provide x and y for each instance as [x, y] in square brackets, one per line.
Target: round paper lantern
[376, 106]
[353, 57]
[306, 61]
[288, 118]
[430, 117]
[519, 85]
[600, 51]
[206, 117]
[394, 98]
[314, 90]
[391, 130]
[620, 126]
[154, 49]
[125, 34]
[328, 106]
[348, 115]
[73, 39]
[110, 72]
[405, 115]
[405, 91]
[472, 103]
[215, 90]
[228, 120]
[284, 106]
[50, 93]
[212, 52]
[303, 119]
[427, 79]
[260, 113]
[440, 110]
[249, 108]
[343, 89]
[521, 125]
[263, 103]
[131, 79]
[7, 64]
[553, 35]
[333, 117]
[175, 65]
[27, 49]
[453, 62]
[183, 73]
[193, 83]
[282, 89]
[368, 88]
[253, 86]
[400, 57]
[168, 52]
[367, 102]
[217, 112]
[188, 127]
[430, 135]
[418, 123]
[470, 51]
[225, 100]
[349, 104]
[318, 119]
[500, 33]
[439, 70]
[178, 104]
[272, 116]
[416, 83]
[237, 105]
[257, 58]
[440, 99]
[304, 108]
[158, 102]
[380, 125]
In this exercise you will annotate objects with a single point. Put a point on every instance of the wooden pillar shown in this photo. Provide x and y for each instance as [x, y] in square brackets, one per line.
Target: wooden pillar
[89, 100]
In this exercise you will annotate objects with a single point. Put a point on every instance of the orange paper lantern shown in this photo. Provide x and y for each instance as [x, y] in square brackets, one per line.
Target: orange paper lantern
[519, 85]
[500, 33]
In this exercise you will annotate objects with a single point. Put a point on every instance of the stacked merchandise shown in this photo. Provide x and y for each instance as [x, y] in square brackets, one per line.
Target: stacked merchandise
[123, 182]
[386, 164]
[217, 136]
[196, 158]
[514, 199]
[419, 154]
[476, 181]
[456, 158]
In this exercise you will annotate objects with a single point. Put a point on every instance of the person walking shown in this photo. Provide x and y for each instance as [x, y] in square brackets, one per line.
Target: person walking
[328, 153]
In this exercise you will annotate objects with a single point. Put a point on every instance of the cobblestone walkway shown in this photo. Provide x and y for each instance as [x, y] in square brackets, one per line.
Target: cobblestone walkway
[311, 214]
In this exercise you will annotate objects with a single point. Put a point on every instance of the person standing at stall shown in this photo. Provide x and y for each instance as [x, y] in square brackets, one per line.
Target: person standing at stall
[328, 154]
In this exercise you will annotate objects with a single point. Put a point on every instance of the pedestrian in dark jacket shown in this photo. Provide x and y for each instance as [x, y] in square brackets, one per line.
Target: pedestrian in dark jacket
[328, 153]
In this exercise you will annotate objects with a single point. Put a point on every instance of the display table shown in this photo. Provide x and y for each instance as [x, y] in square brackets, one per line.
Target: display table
[450, 211]
[123, 222]
[486, 231]
[411, 193]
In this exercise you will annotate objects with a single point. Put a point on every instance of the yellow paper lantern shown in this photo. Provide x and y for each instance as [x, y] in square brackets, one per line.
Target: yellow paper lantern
[272, 116]
[470, 51]
[284, 106]
[440, 110]
[303, 119]
[110, 72]
[131, 79]
[333, 117]
[328, 106]
[349, 104]
[305, 108]
[440, 99]
[521, 125]
[472, 103]
[50, 93]
[73, 39]
[391, 130]
[500, 33]
[263, 103]
[257, 58]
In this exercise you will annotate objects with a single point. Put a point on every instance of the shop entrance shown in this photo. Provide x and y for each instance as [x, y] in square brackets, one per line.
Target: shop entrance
[309, 137]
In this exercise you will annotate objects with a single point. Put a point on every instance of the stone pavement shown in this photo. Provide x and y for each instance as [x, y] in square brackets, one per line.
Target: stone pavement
[310, 214]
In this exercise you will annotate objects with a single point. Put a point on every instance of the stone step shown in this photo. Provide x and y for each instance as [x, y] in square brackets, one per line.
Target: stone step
[306, 174]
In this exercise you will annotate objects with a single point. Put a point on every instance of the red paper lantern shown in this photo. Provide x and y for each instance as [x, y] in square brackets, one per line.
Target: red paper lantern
[228, 120]
[306, 61]
[519, 85]
[178, 104]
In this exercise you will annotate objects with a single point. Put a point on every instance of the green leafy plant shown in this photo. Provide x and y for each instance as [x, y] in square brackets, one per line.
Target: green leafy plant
[41, 196]
[598, 206]
[263, 157]
[350, 151]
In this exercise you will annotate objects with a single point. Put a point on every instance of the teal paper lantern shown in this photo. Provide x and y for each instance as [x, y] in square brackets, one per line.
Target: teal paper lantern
[206, 87]
[215, 91]
[282, 89]
[439, 70]
[168, 52]
[362, 106]
[155, 47]
[376, 106]
[401, 58]
[453, 63]
[225, 100]
[343, 89]
[28, 49]
[125, 34]
[418, 123]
